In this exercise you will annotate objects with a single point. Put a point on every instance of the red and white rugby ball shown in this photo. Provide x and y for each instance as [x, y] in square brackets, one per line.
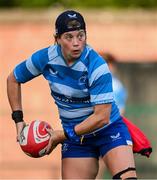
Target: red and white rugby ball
[34, 138]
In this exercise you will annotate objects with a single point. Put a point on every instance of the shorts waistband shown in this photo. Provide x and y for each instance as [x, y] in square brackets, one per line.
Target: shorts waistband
[97, 132]
[94, 133]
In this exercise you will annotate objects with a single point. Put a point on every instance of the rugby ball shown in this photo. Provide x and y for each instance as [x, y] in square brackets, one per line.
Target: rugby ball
[34, 138]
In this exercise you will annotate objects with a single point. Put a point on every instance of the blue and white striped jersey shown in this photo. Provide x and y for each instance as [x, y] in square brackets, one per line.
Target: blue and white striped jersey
[75, 89]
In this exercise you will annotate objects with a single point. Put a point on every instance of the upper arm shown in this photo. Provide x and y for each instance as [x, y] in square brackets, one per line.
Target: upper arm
[100, 82]
[25, 71]
[32, 67]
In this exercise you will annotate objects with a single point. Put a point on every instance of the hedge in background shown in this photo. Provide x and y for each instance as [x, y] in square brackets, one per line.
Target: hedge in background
[80, 3]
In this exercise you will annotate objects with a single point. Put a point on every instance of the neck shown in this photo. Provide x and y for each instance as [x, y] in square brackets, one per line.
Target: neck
[70, 61]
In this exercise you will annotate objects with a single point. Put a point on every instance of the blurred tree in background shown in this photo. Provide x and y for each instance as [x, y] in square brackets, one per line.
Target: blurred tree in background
[145, 4]
[27, 4]
[112, 3]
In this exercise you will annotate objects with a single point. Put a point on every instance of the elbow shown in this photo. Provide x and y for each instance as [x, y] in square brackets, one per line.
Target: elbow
[103, 121]
[8, 79]
[11, 78]
[11, 81]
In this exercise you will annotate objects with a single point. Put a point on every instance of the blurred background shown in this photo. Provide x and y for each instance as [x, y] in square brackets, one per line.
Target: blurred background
[126, 29]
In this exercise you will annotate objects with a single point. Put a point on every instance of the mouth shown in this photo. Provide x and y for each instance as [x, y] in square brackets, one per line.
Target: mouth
[76, 51]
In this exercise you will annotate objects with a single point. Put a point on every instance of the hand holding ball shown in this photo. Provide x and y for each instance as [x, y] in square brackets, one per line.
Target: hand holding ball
[34, 138]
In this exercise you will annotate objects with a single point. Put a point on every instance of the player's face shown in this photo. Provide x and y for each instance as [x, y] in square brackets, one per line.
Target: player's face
[72, 44]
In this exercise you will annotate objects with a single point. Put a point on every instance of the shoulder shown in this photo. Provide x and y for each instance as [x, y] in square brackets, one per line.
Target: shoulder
[94, 57]
[41, 57]
[46, 53]
[95, 60]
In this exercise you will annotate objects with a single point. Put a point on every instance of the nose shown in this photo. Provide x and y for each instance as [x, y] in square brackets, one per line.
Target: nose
[75, 41]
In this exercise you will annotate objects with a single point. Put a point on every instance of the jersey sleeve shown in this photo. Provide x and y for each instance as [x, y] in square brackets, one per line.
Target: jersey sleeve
[100, 82]
[32, 67]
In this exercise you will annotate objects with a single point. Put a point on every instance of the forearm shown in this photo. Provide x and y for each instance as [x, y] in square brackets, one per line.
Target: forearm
[14, 93]
[98, 119]
[14, 97]
[92, 123]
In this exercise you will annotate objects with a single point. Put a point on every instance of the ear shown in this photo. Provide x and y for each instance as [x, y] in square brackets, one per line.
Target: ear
[56, 37]
[58, 40]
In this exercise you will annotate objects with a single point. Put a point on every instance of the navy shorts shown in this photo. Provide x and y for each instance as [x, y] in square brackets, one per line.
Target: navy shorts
[98, 144]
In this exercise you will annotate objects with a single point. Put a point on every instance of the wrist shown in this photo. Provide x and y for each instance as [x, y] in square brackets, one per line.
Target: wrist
[61, 135]
[70, 134]
[17, 116]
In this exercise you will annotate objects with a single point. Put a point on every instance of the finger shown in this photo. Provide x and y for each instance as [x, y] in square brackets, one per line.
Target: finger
[48, 151]
[49, 145]
[48, 126]
[20, 129]
[17, 138]
[50, 131]
[20, 133]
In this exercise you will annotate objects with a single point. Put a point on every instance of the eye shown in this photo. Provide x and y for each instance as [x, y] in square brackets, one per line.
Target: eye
[81, 36]
[68, 37]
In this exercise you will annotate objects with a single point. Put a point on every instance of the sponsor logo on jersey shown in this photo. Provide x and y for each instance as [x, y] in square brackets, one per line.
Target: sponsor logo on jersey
[64, 147]
[116, 136]
[83, 80]
[53, 73]
[68, 99]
